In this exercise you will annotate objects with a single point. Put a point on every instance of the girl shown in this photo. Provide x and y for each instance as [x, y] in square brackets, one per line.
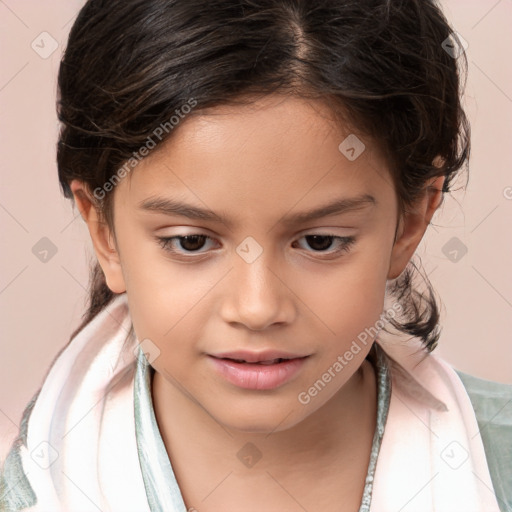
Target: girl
[256, 176]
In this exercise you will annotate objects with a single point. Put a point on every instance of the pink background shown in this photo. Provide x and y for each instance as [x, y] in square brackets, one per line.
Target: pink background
[41, 303]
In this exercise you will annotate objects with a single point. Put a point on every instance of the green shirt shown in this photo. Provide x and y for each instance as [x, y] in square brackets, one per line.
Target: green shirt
[492, 403]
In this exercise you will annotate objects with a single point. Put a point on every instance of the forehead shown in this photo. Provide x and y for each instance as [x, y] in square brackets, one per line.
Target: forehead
[283, 148]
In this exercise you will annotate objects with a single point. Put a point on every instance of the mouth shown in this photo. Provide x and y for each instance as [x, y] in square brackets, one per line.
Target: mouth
[267, 356]
[262, 374]
[266, 362]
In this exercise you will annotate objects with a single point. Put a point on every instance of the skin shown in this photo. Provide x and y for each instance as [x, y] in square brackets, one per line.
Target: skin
[252, 165]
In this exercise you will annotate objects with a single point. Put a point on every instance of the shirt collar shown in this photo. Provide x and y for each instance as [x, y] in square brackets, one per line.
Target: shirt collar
[403, 379]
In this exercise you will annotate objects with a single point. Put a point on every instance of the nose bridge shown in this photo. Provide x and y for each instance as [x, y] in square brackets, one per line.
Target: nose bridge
[257, 297]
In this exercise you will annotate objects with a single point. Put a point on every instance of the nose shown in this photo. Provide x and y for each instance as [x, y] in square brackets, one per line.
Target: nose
[257, 296]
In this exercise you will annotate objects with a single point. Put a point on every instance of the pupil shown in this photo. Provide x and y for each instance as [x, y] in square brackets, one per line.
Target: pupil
[194, 238]
[317, 238]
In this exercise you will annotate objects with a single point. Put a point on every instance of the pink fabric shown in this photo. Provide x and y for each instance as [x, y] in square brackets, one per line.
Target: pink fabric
[85, 412]
[432, 456]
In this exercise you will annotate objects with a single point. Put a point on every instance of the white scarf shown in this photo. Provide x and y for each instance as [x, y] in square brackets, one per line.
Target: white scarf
[81, 431]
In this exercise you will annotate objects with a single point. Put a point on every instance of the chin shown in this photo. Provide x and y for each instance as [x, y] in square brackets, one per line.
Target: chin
[259, 420]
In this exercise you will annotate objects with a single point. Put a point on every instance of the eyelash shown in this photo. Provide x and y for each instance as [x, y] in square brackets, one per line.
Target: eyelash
[346, 243]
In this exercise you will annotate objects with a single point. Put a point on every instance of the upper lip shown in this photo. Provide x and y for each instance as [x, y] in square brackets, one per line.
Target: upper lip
[256, 357]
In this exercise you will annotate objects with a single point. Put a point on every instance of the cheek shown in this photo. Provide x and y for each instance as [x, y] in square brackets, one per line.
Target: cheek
[350, 295]
[165, 307]
[169, 304]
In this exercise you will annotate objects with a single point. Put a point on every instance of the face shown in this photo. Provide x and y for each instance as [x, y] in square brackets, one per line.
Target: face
[254, 272]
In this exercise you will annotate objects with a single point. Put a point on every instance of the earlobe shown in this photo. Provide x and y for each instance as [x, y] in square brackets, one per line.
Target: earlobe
[412, 227]
[102, 238]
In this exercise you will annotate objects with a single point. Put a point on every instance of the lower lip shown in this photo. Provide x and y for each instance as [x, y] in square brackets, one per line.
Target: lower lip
[257, 376]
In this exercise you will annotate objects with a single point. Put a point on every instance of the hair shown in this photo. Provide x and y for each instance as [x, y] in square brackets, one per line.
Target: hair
[380, 66]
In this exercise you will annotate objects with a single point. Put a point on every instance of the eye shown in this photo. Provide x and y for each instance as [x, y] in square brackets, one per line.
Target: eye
[188, 243]
[322, 242]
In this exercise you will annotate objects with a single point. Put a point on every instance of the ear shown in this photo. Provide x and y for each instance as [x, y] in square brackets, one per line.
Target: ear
[102, 239]
[412, 226]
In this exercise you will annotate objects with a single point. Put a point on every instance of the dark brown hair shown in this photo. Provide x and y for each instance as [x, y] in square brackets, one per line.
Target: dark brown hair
[380, 65]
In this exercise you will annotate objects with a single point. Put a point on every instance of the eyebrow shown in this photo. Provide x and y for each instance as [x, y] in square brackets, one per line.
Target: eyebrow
[178, 208]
